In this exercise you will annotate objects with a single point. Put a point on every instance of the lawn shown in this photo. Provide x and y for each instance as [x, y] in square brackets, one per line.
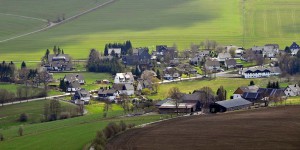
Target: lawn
[189, 86]
[10, 114]
[171, 21]
[90, 78]
[246, 64]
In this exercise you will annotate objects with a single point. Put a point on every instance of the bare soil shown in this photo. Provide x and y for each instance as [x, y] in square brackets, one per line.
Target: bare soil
[267, 128]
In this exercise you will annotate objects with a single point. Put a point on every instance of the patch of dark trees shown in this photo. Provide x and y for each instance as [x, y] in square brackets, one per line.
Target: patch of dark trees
[97, 63]
[7, 71]
[126, 47]
[289, 64]
[273, 85]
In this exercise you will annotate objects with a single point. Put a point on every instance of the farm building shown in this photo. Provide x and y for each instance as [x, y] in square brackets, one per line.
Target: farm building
[230, 105]
[170, 107]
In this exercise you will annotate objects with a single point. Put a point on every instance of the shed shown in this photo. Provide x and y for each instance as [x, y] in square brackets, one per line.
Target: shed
[230, 105]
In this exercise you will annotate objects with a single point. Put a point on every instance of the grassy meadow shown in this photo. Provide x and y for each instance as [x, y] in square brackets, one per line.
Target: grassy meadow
[229, 85]
[71, 133]
[171, 21]
[20, 17]
[10, 114]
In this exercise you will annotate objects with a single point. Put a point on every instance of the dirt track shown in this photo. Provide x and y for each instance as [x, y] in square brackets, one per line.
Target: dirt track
[269, 128]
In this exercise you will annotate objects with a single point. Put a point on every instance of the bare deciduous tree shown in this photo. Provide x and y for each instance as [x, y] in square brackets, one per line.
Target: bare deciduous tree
[175, 94]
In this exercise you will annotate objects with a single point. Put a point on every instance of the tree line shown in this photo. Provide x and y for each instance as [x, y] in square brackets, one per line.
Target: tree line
[289, 64]
[97, 63]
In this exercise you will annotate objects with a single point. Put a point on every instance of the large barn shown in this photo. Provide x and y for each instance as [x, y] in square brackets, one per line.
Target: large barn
[230, 105]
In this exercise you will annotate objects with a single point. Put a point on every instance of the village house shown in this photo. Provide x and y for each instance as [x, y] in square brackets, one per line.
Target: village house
[140, 56]
[124, 78]
[230, 63]
[199, 57]
[294, 48]
[82, 95]
[238, 93]
[74, 77]
[124, 88]
[260, 72]
[171, 73]
[58, 62]
[266, 93]
[142, 84]
[230, 105]
[73, 86]
[223, 56]
[163, 51]
[110, 94]
[239, 51]
[212, 65]
[269, 50]
[117, 51]
[292, 90]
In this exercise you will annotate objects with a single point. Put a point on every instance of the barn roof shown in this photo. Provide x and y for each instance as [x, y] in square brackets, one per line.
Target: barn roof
[233, 103]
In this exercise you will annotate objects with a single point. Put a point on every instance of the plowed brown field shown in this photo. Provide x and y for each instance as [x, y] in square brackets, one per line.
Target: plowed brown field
[268, 128]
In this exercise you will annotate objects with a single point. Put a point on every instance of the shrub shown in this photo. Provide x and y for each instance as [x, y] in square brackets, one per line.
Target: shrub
[122, 125]
[1, 137]
[146, 91]
[131, 125]
[20, 131]
[64, 115]
[100, 141]
[23, 117]
[111, 130]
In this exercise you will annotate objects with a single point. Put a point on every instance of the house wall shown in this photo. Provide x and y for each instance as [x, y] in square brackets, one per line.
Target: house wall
[256, 75]
[235, 96]
[289, 92]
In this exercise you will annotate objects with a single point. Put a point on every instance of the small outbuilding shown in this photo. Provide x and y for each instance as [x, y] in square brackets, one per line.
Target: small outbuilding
[230, 105]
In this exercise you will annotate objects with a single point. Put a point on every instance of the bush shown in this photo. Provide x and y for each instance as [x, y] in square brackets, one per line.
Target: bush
[20, 131]
[111, 130]
[146, 91]
[23, 117]
[64, 115]
[131, 125]
[122, 125]
[1, 137]
[100, 141]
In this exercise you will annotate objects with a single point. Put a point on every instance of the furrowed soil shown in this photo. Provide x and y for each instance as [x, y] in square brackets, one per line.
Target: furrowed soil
[266, 128]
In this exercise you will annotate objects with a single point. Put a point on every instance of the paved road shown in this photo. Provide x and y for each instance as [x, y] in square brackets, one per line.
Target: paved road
[36, 99]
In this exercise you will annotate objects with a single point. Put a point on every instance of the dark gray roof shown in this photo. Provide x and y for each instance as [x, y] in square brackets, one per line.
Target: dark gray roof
[230, 62]
[163, 101]
[191, 97]
[234, 103]
[74, 84]
[73, 77]
[212, 63]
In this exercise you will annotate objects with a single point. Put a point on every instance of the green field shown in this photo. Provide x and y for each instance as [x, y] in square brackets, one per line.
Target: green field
[171, 21]
[229, 85]
[11, 113]
[71, 133]
[90, 78]
[19, 17]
